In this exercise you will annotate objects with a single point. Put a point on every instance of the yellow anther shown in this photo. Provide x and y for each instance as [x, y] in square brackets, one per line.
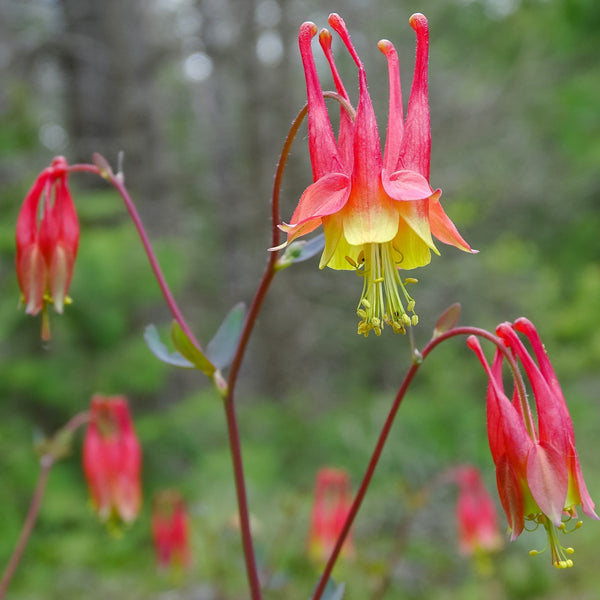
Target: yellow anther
[533, 553]
[361, 313]
[414, 320]
[379, 280]
[570, 550]
[410, 280]
[411, 306]
[365, 303]
[406, 320]
[352, 262]
[578, 524]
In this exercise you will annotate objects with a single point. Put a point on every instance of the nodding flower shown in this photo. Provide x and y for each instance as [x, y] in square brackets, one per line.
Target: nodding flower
[476, 515]
[170, 530]
[378, 213]
[47, 238]
[537, 468]
[332, 502]
[112, 460]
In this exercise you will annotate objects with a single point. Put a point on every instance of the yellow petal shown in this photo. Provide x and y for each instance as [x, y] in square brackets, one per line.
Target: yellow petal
[410, 251]
[336, 246]
[370, 218]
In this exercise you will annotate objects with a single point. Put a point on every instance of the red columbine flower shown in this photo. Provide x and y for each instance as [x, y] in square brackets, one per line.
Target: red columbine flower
[47, 239]
[476, 515]
[170, 530]
[537, 468]
[333, 499]
[112, 459]
[378, 213]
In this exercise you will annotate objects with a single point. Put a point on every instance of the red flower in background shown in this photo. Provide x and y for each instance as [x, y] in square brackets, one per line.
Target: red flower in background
[47, 238]
[378, 213]
[476, 515]
[332, 502]
[112, 460]
[537, 468]
[170, 530]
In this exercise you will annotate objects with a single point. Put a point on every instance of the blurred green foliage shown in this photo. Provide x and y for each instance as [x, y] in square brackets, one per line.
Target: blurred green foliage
[517, 151]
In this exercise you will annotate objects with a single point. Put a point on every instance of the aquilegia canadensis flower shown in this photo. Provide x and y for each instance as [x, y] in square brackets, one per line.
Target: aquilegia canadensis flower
[378, 213]
[332, 502]
[476, 516]
[112, 460]
[170, 530]
[537, 469]
[47, 238]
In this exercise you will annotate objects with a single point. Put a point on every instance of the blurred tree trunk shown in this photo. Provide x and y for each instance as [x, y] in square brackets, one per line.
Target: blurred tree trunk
[110, 60]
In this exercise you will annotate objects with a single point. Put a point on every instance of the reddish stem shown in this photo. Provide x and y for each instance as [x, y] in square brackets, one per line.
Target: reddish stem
[118, 184]
[47, 460]
[229, 400]
[362, 490]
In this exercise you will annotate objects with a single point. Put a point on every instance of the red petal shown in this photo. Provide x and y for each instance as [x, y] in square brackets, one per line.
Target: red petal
[326, 196]
[443, 228]
[395, 128]
[511, 496]
[548, 480]
[416, 144]
[324, 154]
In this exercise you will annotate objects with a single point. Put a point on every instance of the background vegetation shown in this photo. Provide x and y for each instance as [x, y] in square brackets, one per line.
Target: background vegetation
[199, 94]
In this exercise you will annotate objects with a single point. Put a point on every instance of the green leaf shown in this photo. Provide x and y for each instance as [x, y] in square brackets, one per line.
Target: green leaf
[221, 349]
[161, 352]
[190, 352]
[301, 250]
[447, 321]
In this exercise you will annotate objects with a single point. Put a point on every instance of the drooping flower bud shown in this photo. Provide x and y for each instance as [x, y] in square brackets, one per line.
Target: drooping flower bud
[476, 515]
[332, 502]
[170, 530]
[537, 468]
[47, 238]
[112, 460]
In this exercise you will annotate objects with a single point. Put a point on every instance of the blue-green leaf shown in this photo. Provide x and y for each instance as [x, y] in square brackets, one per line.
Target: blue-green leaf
[333, 591]
[301, 250]
[221, 349]
[187, 349]
[161, 352]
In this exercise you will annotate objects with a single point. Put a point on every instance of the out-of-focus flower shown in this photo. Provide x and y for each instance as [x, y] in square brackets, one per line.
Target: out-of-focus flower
[112, 460]
[537, 468]
[47, 238]
[332, 502]
[378, 213]
[476, 515]
[170, 530]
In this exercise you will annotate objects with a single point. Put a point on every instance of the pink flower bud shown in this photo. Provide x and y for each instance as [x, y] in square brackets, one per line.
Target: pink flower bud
[112, 460]
[170, 530]
[332, 502]
[47, 238]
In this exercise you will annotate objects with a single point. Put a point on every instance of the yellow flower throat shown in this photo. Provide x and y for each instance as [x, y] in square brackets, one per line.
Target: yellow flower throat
[380, 302]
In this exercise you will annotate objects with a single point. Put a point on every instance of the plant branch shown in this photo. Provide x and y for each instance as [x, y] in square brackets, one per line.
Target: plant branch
[229, 399]
[47, 460]
[117, 182]
[383, 436]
